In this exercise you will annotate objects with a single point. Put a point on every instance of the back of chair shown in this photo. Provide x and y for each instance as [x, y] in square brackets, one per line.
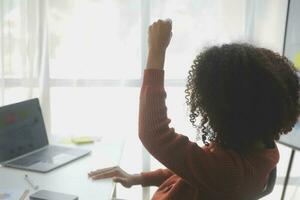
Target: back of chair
[270, 184]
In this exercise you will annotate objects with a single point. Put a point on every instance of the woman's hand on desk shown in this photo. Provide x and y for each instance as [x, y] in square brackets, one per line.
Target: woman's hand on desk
[118, 175]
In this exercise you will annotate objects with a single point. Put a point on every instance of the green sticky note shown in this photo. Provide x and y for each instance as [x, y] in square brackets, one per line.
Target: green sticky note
[296, 60]
[82, 140]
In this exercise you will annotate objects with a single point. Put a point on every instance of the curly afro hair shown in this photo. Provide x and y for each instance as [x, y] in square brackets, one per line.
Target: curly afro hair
[242, 94]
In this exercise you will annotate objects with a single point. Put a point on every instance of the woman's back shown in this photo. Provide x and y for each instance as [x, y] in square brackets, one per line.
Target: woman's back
[193, 172]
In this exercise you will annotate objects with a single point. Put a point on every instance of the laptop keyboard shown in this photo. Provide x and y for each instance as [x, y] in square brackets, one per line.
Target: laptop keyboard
[40, 156]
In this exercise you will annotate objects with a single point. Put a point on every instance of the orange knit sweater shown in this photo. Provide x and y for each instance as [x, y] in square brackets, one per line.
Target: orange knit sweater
[193, 172]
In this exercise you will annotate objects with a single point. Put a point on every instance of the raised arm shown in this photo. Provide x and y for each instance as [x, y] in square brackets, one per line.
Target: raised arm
[175, 151]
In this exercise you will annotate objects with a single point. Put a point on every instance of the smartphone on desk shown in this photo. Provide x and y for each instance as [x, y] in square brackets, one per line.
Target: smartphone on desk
[50, 195]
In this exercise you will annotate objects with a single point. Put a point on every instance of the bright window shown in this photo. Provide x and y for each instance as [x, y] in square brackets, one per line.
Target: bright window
[85, 58]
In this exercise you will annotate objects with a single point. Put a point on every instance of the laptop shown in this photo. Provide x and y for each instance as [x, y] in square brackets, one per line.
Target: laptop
[24, 143]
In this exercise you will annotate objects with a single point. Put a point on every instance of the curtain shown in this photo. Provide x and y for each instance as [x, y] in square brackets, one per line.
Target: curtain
[24, 49]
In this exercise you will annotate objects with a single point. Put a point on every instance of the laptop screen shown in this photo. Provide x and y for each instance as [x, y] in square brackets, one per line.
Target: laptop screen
[22, 129]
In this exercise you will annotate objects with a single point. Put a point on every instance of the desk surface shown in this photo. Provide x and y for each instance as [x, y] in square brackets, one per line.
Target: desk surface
[72, 178]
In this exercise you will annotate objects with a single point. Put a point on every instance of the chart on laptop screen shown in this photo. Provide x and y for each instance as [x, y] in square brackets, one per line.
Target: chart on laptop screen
[22, 129]
[292, 51]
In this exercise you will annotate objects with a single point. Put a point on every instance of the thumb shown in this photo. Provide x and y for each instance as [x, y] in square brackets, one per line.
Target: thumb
[123, 181]
[117, 179]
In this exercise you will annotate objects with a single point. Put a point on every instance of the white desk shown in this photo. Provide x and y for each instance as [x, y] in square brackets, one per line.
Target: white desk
[72, 178]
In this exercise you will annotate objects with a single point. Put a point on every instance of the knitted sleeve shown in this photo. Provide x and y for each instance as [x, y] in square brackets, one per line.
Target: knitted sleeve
[175, 151]
[155, 178]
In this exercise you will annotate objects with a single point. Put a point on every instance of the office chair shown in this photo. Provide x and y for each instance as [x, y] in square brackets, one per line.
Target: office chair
[270, 184]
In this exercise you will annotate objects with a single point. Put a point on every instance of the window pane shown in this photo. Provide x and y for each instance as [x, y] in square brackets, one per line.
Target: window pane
[197, 24]
[178, 112]
[16, 94]
[94, 111]
[269, 23]
[18, 44]
[94, 39]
